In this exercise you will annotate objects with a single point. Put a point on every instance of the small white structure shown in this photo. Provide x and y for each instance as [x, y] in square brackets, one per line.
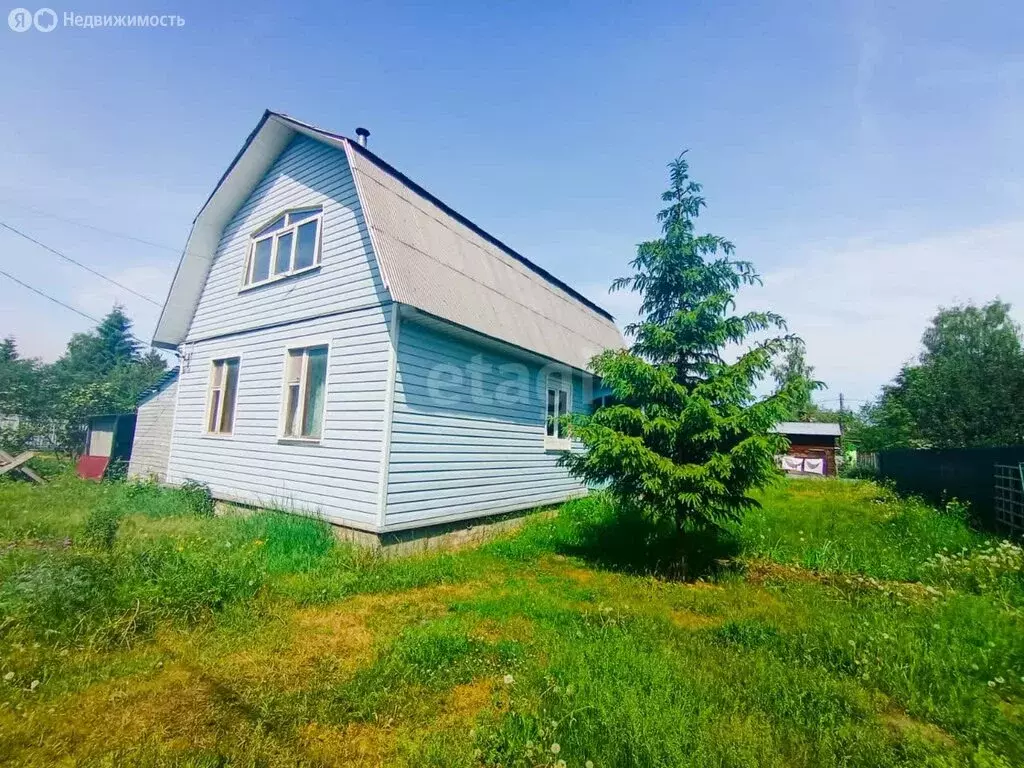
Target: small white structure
[153, 429]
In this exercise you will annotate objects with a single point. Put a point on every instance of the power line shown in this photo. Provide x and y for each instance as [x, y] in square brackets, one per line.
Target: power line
[55, 252]
[93, 227]
[57, 301]
[48, 296]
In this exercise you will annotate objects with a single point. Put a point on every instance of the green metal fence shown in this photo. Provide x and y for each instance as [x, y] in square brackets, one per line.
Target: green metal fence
[968, 474]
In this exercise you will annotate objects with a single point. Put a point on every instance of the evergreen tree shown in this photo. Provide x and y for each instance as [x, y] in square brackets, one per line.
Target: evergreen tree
[8, 350]
[686, 439]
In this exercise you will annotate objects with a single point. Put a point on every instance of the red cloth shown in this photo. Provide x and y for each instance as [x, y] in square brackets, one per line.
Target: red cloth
[92, 467]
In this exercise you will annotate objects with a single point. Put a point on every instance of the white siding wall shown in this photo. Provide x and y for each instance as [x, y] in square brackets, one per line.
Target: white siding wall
[306, 174]
[152, 444]
[342, 302]
[465, 442]
[337, 478]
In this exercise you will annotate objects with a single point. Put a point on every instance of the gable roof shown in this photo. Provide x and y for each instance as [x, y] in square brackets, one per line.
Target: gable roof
[830, 428]
[430, 256]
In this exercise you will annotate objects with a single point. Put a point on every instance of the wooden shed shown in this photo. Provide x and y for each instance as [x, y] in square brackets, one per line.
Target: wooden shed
[813, 447]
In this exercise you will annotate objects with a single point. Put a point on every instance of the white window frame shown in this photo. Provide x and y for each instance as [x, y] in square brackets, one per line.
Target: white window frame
[220, 404]
[295, 346]
[273, 237]
[557, 383]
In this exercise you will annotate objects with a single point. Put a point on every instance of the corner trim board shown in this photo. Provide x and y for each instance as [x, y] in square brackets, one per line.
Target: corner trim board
[389, 413]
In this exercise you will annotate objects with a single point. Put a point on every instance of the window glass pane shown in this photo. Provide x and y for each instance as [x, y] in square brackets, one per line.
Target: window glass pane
[551, 413]
[218, 373]
[563, 402]
[277, 224]
[261, 261]
[305, 251]
[295, 216]
[230, 389]
[291, 411]
[293, 367]
[316, 378]
[211, 422]
[283, 259]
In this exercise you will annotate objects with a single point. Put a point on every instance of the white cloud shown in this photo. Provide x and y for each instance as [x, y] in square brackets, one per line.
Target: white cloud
[862, 306]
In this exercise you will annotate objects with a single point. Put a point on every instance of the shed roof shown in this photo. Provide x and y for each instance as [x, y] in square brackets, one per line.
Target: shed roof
[168, 376]
[830, 428]
[430, 256]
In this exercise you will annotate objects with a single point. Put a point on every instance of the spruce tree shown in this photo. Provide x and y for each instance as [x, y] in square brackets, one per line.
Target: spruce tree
[686, 439]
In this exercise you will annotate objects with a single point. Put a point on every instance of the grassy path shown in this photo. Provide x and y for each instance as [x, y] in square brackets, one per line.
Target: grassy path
[836, 626]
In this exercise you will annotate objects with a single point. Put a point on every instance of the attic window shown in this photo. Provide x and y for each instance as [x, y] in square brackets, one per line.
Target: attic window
[287, 245]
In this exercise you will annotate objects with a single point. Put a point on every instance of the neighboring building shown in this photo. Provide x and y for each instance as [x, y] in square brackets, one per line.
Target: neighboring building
[813, 447]
[153, 426]
[109, 439]
[352, 347]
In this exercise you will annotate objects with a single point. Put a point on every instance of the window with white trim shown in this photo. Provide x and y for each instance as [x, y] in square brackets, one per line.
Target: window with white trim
[305, 385]
[220, 403]
[558, 403]
[287, 245]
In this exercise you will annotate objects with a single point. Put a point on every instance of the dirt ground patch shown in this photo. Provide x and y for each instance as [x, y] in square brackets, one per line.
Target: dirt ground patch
[905, 725]
[356, 745]
[370, 744]
[175, 707]
[340, 635]
[765, 572]
[691, 620]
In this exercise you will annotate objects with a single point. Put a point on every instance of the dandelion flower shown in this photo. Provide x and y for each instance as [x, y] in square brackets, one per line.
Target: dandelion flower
[9, 676]
[508, 680]
[556, 748]
[34, 685]
[991, 683]
[560, 764]
[1000, 680]
[588, 764]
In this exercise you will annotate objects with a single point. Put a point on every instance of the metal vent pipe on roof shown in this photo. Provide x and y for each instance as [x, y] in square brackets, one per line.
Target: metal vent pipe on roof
[363, 135]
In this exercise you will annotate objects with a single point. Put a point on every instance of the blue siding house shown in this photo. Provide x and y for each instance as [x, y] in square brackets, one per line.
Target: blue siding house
[351, 347]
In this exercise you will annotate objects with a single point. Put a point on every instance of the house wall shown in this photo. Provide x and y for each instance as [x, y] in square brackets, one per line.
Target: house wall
[342, 302]
[306, 174]
[337, 478]
[152, 445]
[466, 439]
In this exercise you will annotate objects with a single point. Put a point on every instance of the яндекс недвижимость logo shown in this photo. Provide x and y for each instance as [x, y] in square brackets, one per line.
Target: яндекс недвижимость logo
[45, 20]
[22, 19]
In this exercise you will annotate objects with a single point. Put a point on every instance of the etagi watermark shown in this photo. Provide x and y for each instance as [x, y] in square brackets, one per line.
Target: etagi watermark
[47, 20]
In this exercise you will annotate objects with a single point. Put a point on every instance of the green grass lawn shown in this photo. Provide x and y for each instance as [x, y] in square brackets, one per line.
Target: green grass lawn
[836, 626]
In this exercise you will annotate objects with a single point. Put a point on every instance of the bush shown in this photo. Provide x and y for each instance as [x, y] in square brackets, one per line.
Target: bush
[102, 523]
[855, 471]
[198, 498]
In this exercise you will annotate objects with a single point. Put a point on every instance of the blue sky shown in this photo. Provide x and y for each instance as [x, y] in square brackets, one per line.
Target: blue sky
[867, 157]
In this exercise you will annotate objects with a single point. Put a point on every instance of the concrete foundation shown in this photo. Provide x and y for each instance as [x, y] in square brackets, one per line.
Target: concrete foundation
[434, 538]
